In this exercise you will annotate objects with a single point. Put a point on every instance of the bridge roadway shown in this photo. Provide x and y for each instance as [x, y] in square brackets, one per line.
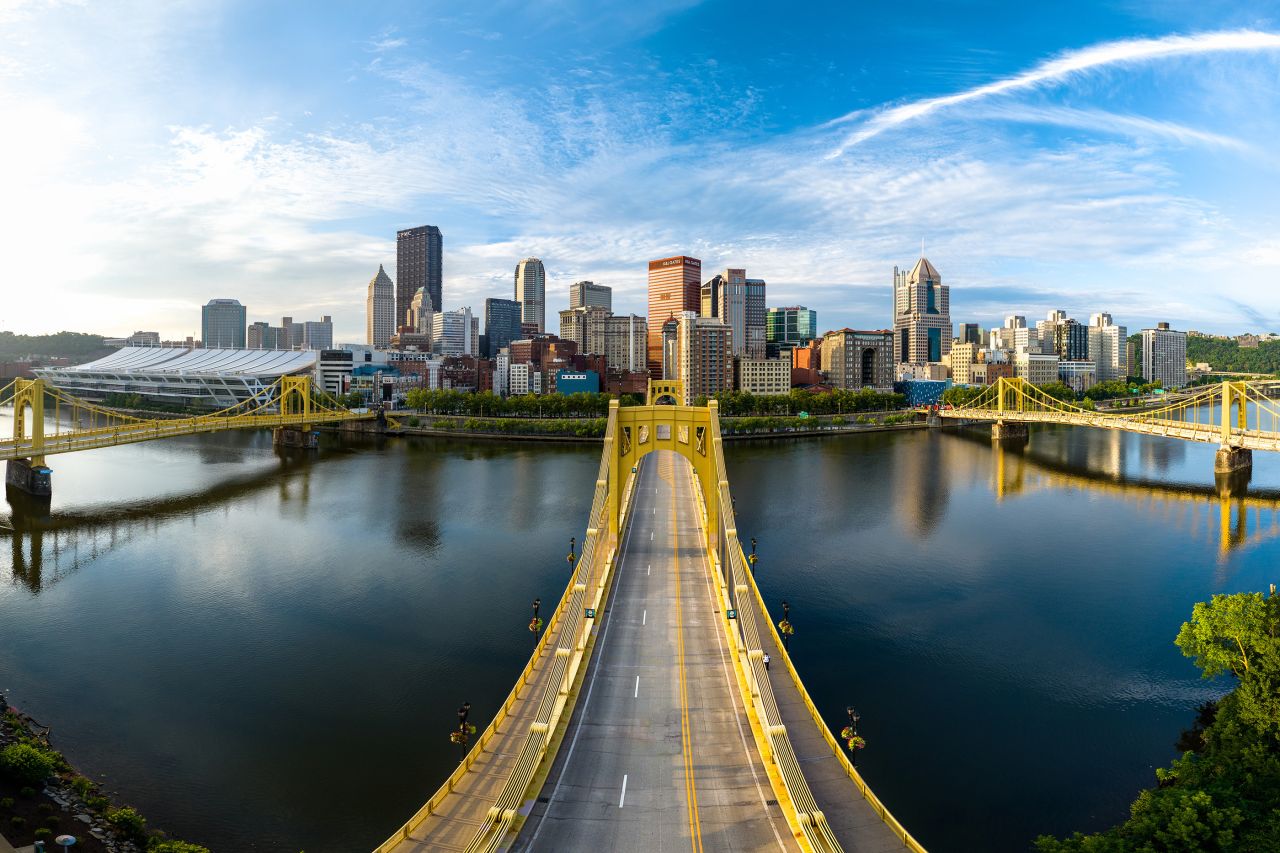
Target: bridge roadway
[659, 753]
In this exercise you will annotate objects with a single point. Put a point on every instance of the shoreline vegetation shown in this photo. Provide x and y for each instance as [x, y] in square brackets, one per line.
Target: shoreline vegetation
[43, 796]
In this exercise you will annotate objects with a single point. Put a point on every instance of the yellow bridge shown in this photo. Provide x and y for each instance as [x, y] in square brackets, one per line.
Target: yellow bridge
[47, 420]
[1239, 417]
[660, 709]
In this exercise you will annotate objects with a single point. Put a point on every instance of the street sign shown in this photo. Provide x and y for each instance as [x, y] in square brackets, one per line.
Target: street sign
[731, 613]
[803, 415]
[590, 612]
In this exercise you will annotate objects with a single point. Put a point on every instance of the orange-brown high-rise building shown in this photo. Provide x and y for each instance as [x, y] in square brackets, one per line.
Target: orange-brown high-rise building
[675, 285]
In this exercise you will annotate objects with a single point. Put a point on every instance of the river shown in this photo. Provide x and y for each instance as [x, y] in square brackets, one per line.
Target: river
[265, 651]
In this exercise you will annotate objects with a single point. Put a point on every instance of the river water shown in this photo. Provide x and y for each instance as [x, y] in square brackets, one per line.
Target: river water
[265, 651]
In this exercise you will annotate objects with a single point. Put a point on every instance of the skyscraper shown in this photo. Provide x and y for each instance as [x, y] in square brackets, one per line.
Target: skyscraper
[380, 310]
[420, 313]
[970, 333]
[531, 291]
[790, 326]
[1164, 356]
[1108, 348]
[501, 323]
[318, 334]
[921, 314]
[419, 263]
[675, 286]
[222, 324]
[455, 333]
[626, 343]
[586, 294]
[706, 356]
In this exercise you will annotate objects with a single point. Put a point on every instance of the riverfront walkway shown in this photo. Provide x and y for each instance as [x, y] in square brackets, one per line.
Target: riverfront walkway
[659, 754]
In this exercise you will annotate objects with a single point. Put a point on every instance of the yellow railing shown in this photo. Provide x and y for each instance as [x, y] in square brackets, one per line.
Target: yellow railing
[573, 643]
[812, 823]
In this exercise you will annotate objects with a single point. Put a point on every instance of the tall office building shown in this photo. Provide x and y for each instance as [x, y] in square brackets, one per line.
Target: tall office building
[531, 292]
[853, 359]
[740, 302]
[419, 263]
[1164, 356]
[675, 286]
[709, 297]
[262, 335]
[585, 326]
[588, 294]
[455, 333]
[222, 324]
[790, 326]
[380, 310]
[318, 334]
[921, 314]
[501, 324]
[626, 343]
[419, 316]
[706, 356]
[970, 333]
[1107, 348]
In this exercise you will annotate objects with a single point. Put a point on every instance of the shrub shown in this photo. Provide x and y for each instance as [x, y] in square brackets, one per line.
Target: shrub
[17, 821]
[6, 803]
[23, 762]
[45, 808]
[52, 820]
[414, 421]
[81, 786]
[170, 845]
[129, 822]
[44, 832]
[97, 804]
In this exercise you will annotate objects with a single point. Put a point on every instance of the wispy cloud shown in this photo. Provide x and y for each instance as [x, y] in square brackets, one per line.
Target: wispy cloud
[1056, 70]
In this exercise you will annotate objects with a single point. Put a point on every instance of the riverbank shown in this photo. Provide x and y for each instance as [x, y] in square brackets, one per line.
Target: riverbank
[43, 797]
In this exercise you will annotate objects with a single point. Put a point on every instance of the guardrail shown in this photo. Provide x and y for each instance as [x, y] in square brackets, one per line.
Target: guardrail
[572, 643]
[809, 819]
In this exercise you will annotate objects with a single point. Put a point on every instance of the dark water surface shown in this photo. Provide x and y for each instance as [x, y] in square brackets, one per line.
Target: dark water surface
[265, 652]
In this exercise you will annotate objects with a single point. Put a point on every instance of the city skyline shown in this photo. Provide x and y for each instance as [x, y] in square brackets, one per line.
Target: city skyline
[1057, 168]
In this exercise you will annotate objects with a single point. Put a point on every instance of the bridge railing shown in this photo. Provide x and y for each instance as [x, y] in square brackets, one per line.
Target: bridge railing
[571, 628]
[740, 591]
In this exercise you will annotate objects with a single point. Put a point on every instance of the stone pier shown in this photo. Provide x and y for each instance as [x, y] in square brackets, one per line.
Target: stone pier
[35, 480]
[1001, 431]
[1232, 459]
[306, 438]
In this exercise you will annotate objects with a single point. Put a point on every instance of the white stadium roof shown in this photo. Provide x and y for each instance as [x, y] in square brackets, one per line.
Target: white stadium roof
[218, 377]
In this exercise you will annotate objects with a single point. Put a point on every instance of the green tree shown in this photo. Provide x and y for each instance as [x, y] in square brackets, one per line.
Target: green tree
[26, 763]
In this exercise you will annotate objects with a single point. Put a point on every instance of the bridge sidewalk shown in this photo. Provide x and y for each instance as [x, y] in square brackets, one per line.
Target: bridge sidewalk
[854, 820]
[454, 822]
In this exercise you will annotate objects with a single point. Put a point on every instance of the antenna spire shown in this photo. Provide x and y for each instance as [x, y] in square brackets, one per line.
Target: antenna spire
[922, 247]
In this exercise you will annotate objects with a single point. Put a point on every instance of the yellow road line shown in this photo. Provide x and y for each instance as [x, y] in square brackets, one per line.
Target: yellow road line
[686, 734]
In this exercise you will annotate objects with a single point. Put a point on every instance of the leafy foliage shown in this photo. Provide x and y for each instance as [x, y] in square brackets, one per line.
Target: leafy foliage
[1228, 355]
[64, 344]
[1223, 794]
[25, 762]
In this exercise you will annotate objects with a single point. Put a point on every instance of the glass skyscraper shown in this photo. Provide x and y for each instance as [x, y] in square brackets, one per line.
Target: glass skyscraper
[222, 324]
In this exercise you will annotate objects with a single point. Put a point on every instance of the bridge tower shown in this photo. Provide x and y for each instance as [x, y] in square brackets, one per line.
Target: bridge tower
[295, 401]
[1008, 400]
[644, 429]
[29, 475]
[1231, 457]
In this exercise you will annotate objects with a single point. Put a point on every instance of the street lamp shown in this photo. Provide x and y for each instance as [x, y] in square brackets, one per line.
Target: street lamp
[465, 730]
[573, 544]
[535, 624]
[753, 556]
[785, 628]
[850, 736]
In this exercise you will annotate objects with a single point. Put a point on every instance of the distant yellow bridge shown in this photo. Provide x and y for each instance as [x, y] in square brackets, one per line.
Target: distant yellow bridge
[1239, 417]
[47, 420]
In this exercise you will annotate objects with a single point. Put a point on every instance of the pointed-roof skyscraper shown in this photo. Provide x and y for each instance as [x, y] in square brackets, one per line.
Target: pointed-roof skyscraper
[921, 314]
[380, 308]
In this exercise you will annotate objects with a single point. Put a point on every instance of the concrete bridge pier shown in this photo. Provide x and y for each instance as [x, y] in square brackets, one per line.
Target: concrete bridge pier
[1230, 459]
[30, 478]
[1001, 431]
[303, 437]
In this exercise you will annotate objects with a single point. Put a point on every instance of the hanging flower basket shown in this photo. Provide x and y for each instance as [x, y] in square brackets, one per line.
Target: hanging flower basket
[785, 628]
[462, 736]
[853, 741]
[535, 624]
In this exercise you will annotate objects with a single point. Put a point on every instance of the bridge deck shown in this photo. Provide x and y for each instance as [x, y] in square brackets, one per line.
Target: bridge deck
[660, 706]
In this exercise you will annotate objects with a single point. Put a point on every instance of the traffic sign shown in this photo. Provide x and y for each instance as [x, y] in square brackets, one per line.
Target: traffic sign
[731, 613]
[803, 415]
[590, 612]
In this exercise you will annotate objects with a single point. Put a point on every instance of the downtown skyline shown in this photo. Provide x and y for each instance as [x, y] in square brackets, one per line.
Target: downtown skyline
[1114, 158]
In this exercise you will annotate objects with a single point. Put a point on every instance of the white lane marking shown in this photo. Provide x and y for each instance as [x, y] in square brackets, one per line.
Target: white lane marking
[586, 703]
[650, 535]
[648, 569]
[636, 695]
[655, 510]
[624, 790]
[644, 617]
[734, 696]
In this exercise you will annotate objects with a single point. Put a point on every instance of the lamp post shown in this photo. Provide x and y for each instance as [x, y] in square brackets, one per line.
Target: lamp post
[850, 735]
[753, 556]
[785, 628]
[573, 544]
[465, 730]
[535, 624]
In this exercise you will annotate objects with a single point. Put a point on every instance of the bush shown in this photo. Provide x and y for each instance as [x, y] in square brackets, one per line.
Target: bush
[26, 791]
[6, 803]
[129, 822]
[52, 821]
[97, 804]
[17, 821]
[23, 762]
[414, 421]
[169, 845]
[81, 786]
[43, 833]
[45, 808]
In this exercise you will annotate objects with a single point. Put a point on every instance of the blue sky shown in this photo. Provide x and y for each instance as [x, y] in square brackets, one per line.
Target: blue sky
[1112, 157]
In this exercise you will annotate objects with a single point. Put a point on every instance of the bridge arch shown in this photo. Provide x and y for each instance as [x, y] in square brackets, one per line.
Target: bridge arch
[640, 430]
[665, 389]
[28, 394]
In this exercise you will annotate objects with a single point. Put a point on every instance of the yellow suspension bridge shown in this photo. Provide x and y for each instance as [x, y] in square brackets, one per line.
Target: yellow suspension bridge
[1239, 416]
[47, 421]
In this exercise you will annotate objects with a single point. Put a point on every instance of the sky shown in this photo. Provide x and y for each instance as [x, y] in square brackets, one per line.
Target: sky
[1088, 156]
